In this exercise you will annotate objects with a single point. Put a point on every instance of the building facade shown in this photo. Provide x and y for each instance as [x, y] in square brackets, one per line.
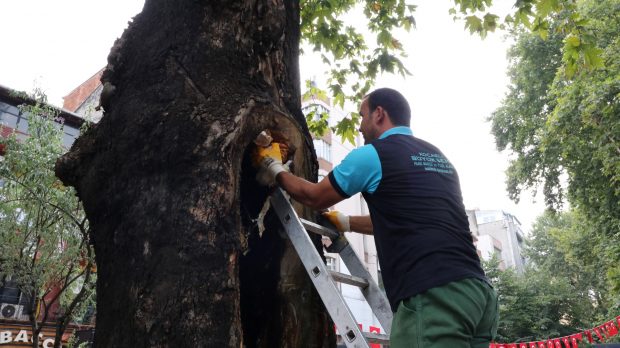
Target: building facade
[498, 233]
[84, 99]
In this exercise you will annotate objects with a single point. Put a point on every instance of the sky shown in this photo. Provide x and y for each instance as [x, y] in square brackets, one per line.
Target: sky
[457, 79]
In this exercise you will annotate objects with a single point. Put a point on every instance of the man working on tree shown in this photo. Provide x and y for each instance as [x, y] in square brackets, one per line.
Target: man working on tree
[430, 267]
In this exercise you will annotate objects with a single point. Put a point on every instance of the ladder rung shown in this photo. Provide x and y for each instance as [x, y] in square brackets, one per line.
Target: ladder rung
[372, 337]
[349, 279]
[318, 229]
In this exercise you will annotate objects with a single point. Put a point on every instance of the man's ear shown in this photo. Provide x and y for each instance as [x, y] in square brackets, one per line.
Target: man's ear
[381, 114]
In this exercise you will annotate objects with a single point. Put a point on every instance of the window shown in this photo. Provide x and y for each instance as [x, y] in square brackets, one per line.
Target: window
[11, 117]
[69, 135]
[11, 294]
[330, 262]
[323, 149]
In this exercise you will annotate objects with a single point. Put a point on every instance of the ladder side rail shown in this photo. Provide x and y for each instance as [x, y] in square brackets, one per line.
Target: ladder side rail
[317, 270]
[373, 294]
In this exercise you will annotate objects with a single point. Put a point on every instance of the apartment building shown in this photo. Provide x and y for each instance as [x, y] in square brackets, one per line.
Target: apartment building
[498, 233]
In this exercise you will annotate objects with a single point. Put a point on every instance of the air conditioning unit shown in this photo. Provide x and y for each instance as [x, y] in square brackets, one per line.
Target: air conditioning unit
[11, 311]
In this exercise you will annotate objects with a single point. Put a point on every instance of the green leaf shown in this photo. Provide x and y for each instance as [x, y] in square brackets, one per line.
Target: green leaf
[490, 22]
[474, 24]
[546, 7]
[409, 22]
[573, 41]
[593, 57]
[384, 38]
[347, 129]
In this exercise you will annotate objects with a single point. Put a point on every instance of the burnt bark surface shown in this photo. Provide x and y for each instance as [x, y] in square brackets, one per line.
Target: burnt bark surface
[187, 88]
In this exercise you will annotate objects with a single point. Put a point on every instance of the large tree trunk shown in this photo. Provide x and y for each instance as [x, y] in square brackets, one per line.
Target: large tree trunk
[169, 191]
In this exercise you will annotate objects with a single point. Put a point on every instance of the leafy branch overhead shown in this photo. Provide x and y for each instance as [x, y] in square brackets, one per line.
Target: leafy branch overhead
[580, 48]
[353, 62]
[355, 55]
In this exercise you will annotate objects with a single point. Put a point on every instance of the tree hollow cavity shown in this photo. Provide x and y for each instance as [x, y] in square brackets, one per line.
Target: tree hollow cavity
[260, 272]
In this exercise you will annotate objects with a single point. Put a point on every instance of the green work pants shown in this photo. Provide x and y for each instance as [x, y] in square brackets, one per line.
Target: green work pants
[459, 314]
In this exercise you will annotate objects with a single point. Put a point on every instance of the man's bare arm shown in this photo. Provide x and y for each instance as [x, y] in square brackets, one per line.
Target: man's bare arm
[361, 224]
[317, 196]
[320, 196]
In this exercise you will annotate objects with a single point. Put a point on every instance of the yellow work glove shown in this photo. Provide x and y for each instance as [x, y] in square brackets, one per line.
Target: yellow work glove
[268, 160]
[339, 220]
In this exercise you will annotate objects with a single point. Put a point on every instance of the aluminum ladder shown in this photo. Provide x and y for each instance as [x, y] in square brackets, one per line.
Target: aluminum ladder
[325, 281]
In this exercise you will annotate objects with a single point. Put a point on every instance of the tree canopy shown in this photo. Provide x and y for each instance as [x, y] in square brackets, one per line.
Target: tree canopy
[563, 124]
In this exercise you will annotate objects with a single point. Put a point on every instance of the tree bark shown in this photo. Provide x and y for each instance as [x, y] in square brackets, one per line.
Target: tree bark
[169, 191]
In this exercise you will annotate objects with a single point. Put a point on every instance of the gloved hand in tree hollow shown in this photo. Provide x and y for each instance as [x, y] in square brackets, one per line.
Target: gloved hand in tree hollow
[338, 219]
[268, 160]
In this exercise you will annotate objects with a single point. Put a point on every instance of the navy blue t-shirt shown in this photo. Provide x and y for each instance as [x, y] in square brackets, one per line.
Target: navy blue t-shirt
[420, 226]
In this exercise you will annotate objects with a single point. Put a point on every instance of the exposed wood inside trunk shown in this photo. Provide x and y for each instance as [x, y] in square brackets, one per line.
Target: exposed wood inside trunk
[187, 88]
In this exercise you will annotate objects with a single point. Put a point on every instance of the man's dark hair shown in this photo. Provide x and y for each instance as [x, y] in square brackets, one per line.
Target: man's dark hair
[393, 102]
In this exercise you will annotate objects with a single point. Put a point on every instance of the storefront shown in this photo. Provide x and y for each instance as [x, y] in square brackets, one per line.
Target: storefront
[15, 334]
